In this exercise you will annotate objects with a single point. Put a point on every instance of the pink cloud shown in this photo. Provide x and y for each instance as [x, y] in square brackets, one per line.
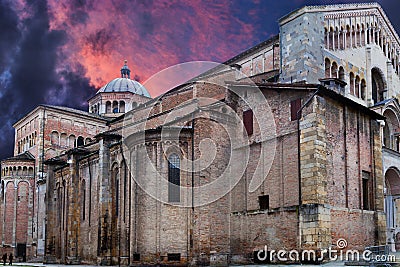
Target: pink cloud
[150, 35]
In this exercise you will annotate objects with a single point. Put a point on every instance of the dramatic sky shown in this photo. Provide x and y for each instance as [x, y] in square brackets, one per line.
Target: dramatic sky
[61, 51]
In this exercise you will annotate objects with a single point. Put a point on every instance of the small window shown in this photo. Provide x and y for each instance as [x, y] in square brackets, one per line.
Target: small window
[366, 189]
[264, 202]
[108, 107]
[295, 106]
[174, 178]
[174, 256]
[136, 257]
[122, 106]
[83, 199]
[115, 108]
[248, 121]
[80, 141]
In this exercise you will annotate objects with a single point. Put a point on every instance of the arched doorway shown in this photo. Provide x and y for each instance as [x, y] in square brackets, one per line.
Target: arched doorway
[392, 207]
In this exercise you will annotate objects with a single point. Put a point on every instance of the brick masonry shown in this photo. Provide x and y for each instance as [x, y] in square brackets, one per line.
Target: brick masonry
[324, 181]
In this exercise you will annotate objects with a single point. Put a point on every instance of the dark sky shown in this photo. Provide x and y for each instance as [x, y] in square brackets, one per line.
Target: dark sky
[60, 52]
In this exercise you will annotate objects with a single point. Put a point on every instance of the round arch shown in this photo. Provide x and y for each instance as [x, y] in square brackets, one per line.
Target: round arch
[392, 126]
[392, 202]
[392, 181]
[379, 85]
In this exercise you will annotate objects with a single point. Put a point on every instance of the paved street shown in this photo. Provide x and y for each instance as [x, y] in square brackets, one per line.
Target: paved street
[330, 264]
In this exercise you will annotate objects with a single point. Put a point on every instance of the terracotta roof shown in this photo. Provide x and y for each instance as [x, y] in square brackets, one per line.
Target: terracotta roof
[77, 111]
[23, 157]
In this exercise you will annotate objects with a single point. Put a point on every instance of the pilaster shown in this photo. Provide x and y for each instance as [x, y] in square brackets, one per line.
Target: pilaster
[315, 218]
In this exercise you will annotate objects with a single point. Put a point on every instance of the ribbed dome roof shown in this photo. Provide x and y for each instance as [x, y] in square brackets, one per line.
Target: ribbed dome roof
[124, 85]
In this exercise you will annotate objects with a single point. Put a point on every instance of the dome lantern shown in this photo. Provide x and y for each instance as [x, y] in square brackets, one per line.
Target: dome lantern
[125, 71]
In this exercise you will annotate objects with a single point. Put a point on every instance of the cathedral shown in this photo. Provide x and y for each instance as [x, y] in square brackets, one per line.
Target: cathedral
[292, 144]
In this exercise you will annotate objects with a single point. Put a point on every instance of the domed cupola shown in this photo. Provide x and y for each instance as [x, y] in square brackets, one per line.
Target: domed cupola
[119, 95]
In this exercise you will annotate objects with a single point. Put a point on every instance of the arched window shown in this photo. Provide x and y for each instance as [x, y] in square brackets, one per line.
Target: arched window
[348, 34]
[392, 126]
[71, 141]
[363, 89]
[63, 140]
[378, 85]
[55, 138]
[331, 36]
[362, 35]
[115, 189]
[80, 141]
[25, 171]
[327, 68]
[115, 107]
[384, 46]
[124, 188]
[357, 86]
[351, 83]
[336, 38]
[341, 38]
[122, 106]
[83, 199]
[334, 70]
[341, 73]
[108, 107]
[174, 178]
[326, 38]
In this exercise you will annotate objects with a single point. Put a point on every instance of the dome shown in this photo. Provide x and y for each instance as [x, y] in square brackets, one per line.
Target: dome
[124, 85]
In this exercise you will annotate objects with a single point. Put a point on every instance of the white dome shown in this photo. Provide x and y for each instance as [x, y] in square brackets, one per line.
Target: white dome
[124, 85]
